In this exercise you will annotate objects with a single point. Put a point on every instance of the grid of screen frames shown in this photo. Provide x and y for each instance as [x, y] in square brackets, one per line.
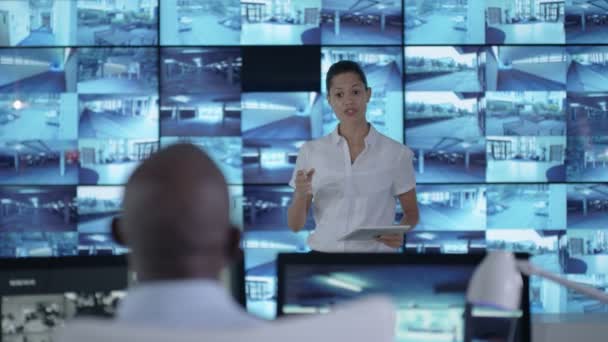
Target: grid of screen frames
[504, 104]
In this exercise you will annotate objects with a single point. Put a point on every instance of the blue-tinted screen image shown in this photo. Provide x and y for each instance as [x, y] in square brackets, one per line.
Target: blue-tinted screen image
[38, 221]
[280, 22]
[111, 161]
[525, 22]
[587, 114]
[444, 114]
[444, 22]
[269, 161]
[281, 116]
[38, 209]
[117, 70]
[261, 249]
[38, 23]
[44, 70]
[444, 68]
[445, 131]
[587, 71]
[546, 297]
[265, 208]
[585, 23]
[200, 22]
[452, 207]
[439, 158]
[587, 255]
[51, 116]
[547, 247]
[41, 162]
[425, 312]
[38, 244]
[529, 113]
[97, 206]
[577, 303]
[445, 242]
[117, 23]
[266, 235]
[78, 22]
[188, 70]
[236, 205]
[112, 116]
[525, 159]
[587, 159]
[345, 22]
[587, 206]
[588, 251]
[521, 206]
[430, 299]
[534, 68]
[201, 115]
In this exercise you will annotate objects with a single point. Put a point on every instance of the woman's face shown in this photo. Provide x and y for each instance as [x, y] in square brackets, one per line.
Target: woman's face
[348, 97]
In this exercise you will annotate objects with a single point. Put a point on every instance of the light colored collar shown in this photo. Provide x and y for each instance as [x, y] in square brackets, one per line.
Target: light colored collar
[171, 295]
[369, 139]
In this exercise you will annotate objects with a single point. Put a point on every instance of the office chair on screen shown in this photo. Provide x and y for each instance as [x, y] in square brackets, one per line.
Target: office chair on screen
[367, 320]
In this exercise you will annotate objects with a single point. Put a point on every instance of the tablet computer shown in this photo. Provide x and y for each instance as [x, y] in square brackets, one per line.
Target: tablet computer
[372, 232]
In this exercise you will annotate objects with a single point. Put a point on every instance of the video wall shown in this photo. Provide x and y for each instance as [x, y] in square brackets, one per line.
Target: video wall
[503, 102]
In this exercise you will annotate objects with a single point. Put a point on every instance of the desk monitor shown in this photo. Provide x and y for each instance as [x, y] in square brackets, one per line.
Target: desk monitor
[40, 294]
[428, 290]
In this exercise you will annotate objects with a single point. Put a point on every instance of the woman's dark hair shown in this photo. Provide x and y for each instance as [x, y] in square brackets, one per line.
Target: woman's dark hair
[342, 67]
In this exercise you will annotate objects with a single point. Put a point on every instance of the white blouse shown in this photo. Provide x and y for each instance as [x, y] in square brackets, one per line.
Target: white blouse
[347, 196]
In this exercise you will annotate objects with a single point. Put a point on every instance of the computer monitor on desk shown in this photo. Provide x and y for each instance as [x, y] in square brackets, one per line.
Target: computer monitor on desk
[38, 295]
[429, 292]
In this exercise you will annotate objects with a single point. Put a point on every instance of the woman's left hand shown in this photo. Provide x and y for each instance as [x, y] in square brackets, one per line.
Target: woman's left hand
[391, 240]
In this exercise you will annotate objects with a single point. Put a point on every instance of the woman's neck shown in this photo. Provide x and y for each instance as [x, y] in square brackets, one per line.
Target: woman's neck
[354, 134]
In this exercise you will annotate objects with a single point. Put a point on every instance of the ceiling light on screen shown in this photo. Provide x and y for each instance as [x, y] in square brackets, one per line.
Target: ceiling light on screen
[17, 105]
[340, 284]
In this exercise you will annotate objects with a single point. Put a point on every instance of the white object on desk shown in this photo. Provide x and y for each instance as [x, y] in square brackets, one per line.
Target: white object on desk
[497, 281]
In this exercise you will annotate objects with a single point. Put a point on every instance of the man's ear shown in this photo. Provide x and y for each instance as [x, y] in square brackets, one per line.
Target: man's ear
[117, 234]
[233, 248]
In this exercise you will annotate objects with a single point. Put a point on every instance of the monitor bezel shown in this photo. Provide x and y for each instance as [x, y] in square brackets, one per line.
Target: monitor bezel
[284, 260]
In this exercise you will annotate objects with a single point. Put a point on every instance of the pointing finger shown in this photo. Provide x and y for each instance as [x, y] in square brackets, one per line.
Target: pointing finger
[310, 173]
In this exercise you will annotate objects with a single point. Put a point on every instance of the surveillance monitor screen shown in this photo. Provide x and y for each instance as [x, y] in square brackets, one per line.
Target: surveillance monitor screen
[428, 291]
[78, 22]
[42, 294]
[34, 317]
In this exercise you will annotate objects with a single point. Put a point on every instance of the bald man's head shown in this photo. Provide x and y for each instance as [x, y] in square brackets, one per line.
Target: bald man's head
[176, 216]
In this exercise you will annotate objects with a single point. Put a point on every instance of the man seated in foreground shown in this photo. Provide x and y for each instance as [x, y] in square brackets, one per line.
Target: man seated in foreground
[176, 223]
